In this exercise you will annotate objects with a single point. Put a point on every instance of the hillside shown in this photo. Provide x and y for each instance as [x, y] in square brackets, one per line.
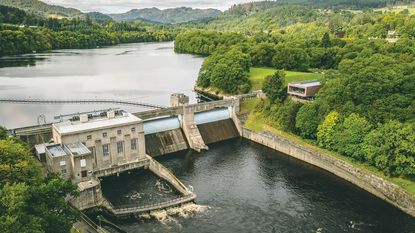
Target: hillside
[42, 9]
[168, 16]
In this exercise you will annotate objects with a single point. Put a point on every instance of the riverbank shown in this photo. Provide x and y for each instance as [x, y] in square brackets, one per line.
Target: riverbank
[398, 192]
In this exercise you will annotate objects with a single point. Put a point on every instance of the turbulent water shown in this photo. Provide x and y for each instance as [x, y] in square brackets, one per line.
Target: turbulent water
[146, 72]
[245, 187]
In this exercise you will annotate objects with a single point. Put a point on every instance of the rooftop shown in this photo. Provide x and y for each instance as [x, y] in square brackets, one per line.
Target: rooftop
[77, 149]
[70, 127]
[56, 150]
[310, 83]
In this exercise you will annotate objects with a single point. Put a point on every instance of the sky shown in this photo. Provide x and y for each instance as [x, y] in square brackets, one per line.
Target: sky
[119, 6]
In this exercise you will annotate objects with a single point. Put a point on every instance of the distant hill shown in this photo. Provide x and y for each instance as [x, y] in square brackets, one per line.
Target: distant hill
[42, 9]
[97, 16]
[168, 16]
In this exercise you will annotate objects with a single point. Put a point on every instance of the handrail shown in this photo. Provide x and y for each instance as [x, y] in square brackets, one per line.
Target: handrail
[136, 209]
[79, 101]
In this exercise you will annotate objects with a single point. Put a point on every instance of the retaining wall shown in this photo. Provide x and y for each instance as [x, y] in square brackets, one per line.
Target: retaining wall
[364, 179]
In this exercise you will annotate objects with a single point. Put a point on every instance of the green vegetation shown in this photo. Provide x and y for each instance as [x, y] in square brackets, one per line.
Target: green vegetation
[258, 75]
[30, 202]
[40, 8]
[167, 16]
[365, 110]
[45, 34]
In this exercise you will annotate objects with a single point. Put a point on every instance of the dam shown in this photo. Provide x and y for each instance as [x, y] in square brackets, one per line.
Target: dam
[85, 148]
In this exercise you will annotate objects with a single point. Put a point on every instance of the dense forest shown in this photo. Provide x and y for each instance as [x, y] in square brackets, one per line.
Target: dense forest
[29, 201]
[366, 109]
[23, 33]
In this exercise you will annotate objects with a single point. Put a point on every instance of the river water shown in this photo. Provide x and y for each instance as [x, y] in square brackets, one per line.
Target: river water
[241, 186]
[143, 72]
[249, 188]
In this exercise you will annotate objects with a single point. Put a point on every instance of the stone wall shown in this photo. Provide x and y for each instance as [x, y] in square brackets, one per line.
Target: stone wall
[359, 177]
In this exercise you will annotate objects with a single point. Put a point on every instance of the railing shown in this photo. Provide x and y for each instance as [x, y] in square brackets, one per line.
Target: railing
[80, 101]
[129, 209]
[121, 168]
[169, 176]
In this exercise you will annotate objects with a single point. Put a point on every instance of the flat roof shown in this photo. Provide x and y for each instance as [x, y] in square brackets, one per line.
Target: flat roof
[77, 149]
[87, 184]
[310, 83]
[41, 148]
[56, 150]
[70, 127]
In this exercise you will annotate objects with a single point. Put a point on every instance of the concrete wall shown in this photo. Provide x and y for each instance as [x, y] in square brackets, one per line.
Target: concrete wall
[165, 142]
[218, 131]
[361, 178]
[97, 140]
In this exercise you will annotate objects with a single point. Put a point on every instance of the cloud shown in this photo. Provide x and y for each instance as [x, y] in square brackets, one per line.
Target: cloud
[118, 6]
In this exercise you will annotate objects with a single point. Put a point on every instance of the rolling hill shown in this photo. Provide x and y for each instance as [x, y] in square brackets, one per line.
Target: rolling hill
[168, 16]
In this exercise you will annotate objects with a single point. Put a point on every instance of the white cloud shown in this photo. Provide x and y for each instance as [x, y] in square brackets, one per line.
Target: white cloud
[117, 6]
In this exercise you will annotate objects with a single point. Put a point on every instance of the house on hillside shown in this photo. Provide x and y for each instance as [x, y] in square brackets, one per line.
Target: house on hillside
[304, 90]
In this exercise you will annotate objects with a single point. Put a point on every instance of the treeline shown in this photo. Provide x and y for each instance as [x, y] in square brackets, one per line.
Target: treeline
[26, 34]
[29, 201]
[302, 47]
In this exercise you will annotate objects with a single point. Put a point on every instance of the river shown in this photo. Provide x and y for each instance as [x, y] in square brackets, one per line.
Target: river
[143, 72]
[250, 188]
[243, 186]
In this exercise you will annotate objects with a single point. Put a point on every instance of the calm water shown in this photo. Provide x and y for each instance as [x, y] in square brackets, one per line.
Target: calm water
[250, 188]
[147, 72]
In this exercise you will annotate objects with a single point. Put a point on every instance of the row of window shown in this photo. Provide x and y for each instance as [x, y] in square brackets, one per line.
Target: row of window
[120, 147]
[105, 134]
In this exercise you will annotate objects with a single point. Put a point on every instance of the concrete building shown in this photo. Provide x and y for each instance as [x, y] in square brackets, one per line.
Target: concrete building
[306, 89]
[93, 143]
[114, 138]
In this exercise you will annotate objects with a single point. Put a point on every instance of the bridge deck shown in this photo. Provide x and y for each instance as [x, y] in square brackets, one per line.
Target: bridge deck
[131, 209]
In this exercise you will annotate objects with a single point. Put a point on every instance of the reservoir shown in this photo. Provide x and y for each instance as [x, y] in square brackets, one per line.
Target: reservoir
[142, 72]
[241, 186]
[245, 187]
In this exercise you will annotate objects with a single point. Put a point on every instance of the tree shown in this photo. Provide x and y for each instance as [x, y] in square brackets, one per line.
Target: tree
[290, 58]
[391, 148]
[274, 87]
[325, 131]
[349, 136]
[325, 41]
[307, 121]
[30, 202]
[227, 71]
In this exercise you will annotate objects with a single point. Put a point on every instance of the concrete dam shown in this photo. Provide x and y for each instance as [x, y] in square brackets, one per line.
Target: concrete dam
[87, 148]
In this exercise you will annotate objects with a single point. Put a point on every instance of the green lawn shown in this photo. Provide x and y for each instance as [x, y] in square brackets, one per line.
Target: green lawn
[396, 10]
[257, 76]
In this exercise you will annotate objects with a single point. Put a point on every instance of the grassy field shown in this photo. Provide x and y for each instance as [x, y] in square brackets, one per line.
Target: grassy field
[258, 123]
[396, 10]
[257, 76]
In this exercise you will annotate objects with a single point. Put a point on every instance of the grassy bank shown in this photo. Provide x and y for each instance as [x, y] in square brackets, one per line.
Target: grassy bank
[259, 123]
[258, 75]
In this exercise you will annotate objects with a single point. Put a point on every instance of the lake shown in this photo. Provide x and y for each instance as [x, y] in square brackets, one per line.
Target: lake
[142, 72]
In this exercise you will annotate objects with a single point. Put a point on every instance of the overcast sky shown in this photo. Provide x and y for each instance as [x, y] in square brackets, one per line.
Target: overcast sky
[117, 6]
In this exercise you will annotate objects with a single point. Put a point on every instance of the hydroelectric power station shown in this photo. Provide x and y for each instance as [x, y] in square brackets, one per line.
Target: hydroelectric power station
[87, 147]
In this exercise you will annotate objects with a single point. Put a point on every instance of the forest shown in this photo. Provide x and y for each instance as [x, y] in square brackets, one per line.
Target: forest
[29, 201]
[366, 109]
[23, 33]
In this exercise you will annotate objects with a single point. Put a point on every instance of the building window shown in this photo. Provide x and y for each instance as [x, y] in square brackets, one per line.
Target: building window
[89, 137]
[133, 130]
[83, 162]
[119, 132]
[134, 144]
[106, 150]
[120, 147]
[104, 135]
[63, 170]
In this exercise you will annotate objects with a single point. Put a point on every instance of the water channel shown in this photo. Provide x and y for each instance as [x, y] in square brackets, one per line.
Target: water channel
[241, 186]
